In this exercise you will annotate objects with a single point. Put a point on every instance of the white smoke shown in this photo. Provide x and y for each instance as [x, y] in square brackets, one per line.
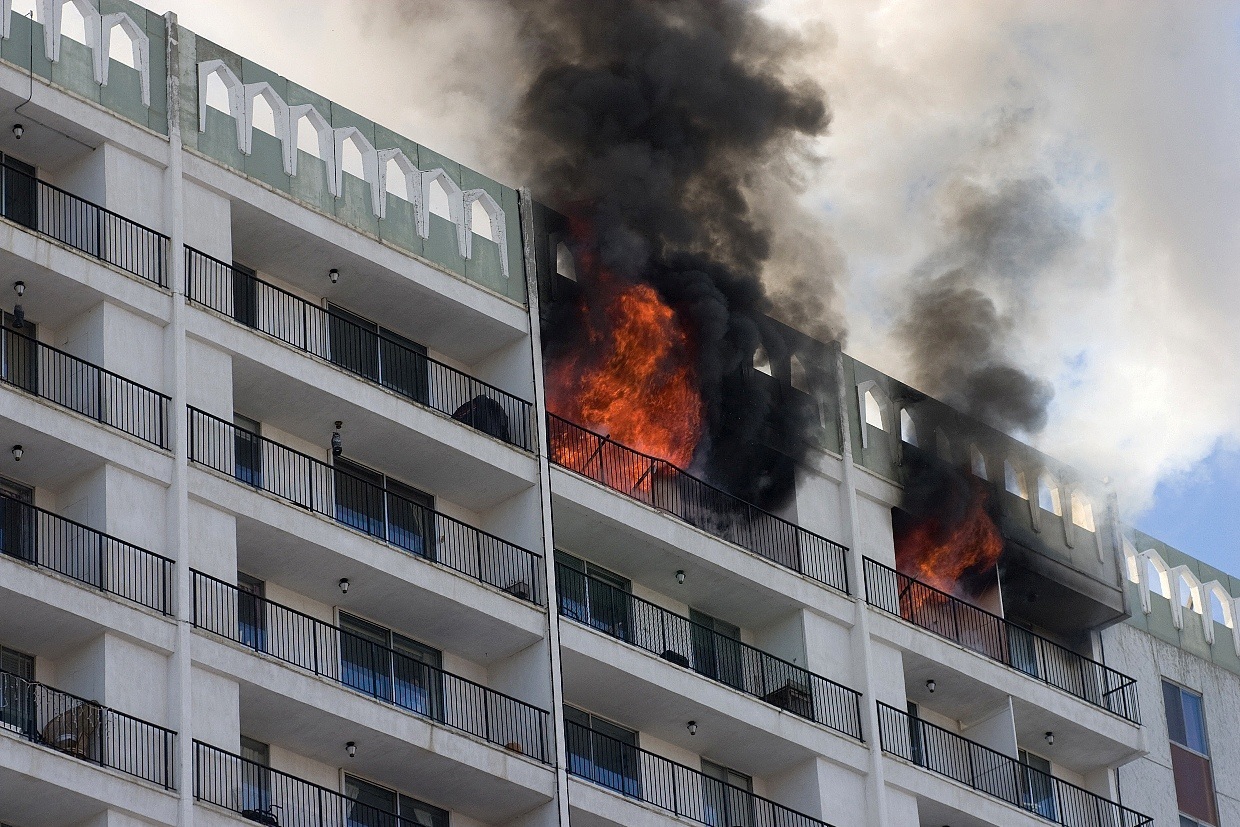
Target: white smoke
[1129, 111]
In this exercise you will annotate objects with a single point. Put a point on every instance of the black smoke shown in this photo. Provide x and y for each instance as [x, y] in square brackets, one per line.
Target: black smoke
[1000, 243]
[661, 123]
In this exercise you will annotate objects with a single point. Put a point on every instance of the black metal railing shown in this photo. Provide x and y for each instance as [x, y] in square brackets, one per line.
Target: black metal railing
[92, 391]
[266, 796]
[998, 639]
[316, 486]
[673, 787]
[998, 775]
[369, 353]
[683, 642]
[90, 557]
[86, 730]
[383, 673]
[87, 227]
[662, 485]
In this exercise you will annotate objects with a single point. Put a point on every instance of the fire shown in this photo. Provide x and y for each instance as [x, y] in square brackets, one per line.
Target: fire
[632, 376]
[959, 557]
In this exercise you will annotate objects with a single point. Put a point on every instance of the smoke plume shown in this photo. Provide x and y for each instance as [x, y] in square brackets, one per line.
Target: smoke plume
[998, 244]
[665, 127]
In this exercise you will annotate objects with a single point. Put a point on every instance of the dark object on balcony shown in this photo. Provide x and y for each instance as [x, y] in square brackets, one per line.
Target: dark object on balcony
[262, 816]
[519, 588]
[485, 414]
[793, 697]
[515, 746]
[672, 656]
[72, 730]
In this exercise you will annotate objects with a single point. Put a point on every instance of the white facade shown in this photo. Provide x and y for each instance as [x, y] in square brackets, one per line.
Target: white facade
[143, 686]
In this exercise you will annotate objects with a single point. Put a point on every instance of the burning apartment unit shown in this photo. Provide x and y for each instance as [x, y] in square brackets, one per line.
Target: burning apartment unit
[333, 494]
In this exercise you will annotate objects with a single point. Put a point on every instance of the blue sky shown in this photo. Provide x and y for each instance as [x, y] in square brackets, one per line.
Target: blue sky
[1198, 511]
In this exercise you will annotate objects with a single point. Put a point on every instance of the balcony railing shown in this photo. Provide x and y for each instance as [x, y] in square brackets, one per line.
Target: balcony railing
[316, 486]
[680, 641]
[998, 775]
[673, 787]
[998, 639]
[87, 227]
[660, 484]
[266, 796]
[384, 674]
[368, 353]
[90, 557]
[86, 730]
[78, 385]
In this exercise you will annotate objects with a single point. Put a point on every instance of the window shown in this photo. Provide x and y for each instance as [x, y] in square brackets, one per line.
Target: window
[17, 710]
[72, 23]
[727, 795]
[218, 96]
[248, 451]
[385, 508]
[390, 666]
[1218, 612]
[716, 649]
[594, 595]
[20, 192]
[1190, 753]
[121, 46]
[799, 375]
[307, 134]
[480, 221]
[438, 200]
[255, 778]
[762, 362]
[351, 158]
[263, 116]
[245, 294]
[1037, 790]
[602, 752]
[373, 352]
[1156, 579]
[397, 183]
[17, 521]
[375, 806]
[251, 612]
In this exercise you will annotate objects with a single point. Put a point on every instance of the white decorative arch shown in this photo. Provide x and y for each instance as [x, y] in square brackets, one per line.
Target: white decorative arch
[370, 164]
[1211, 592]
[141, 51]
[1082, 510]
[977, 463]
[1050, 497]
[323, 132]
[942, 445]
[908, 428]
[1185, 589]
[6, 13]
[1153, 560]
[236, 97]
[495, 214]
[871, 389]
[456, 205]
[1015, 480]
[280, 111]
[51, 13]
[408, 170]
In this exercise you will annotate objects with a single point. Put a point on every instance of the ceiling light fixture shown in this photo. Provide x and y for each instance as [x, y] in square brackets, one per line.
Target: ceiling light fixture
[344, 585]
[680, 576]
[19, 287]
[18, 131]
[334, 275]
[930, 686]
[17, 453]
[1050, 738]
[692, 727]
[351, 748]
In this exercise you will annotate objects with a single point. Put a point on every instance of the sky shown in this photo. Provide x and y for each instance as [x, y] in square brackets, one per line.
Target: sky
[1120, 116]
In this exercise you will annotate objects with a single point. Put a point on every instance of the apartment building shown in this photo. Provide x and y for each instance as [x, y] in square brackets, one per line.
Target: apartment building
[291, 538]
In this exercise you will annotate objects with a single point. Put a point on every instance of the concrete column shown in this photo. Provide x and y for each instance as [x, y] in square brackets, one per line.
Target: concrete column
[544, 486]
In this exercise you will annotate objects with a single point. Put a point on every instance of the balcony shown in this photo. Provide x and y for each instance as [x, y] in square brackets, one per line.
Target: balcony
[79, 386]
[86, 730]
[86, 227]
[663, 486]
[675, 788]
[995, 638]
[91, 558]
[381, 673]
[998, 775]
[690, 645]
[266, 796]
[376, 358]
[359, 504]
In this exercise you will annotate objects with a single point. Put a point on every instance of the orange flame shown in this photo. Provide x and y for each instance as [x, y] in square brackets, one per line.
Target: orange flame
[634, 381]
[952, 558]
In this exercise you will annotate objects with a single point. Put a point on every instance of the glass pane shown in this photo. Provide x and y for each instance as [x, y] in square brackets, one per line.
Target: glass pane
[251, 612]
[1175, 713]
[255, 779]
[403, 366]
[354, 343]
[365, 662]
[359, 497]
[410, 521]
[245, 295]
[1194, 722]
[373, 805]
[420, 813]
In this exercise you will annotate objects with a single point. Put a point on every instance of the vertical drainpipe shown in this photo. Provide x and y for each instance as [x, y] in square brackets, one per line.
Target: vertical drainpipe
[876, 814]
[530, 266]
[180, 687]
